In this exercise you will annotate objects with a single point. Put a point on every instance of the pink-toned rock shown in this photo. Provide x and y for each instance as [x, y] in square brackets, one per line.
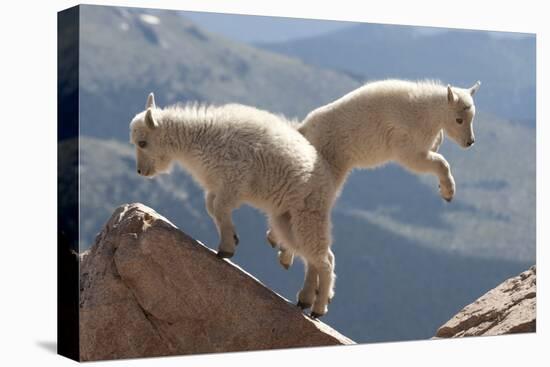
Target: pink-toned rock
[507, 309]
[148, 289]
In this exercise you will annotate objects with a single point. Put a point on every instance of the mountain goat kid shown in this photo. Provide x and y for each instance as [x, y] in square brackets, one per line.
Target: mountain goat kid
[390, 120]
[240, 154]
[394, 120]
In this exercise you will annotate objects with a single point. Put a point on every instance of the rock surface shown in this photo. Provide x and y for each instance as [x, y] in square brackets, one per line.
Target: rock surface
[507, 309]
[147, 289]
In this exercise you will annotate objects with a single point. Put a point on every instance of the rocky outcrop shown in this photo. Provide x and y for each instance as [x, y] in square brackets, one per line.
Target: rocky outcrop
[148, 289]
[507, 309]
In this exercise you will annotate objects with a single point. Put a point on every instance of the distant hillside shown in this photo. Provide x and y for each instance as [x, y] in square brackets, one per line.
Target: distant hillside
[126, 53]
[108, 178]
[505, 65]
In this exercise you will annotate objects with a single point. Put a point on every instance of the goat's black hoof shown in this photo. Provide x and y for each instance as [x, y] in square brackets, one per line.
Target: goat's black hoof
[224, 254]
[314, 315]
[303, 305]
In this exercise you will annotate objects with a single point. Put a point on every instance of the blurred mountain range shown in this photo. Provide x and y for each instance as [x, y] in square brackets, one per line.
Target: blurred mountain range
[250, 29]
[406, 260]
[126, 53]
[503, 61]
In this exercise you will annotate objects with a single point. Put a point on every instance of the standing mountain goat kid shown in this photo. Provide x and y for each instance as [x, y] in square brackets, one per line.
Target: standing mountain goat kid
[391, 120]
[240, 154]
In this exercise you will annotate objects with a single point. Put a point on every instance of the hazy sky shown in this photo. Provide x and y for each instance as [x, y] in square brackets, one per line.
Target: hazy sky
[256, 29]
[250, 29]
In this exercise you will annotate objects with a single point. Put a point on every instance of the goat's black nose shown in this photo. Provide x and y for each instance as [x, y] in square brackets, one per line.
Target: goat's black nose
[139, 171]
[471, 142]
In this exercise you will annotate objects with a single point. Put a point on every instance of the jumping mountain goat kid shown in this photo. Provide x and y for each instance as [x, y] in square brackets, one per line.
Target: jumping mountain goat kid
[240, 154]
[390, 120]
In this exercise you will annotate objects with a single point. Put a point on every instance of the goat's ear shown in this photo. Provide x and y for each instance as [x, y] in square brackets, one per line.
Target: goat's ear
[149, 119]
[150, 101]
[450, 94]
[475, 88]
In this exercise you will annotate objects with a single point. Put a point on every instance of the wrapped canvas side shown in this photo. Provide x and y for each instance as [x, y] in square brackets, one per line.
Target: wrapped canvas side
[67, 176]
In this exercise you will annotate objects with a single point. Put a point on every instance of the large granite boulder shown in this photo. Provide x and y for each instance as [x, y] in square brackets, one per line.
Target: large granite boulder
[148, 289]
[507, 309]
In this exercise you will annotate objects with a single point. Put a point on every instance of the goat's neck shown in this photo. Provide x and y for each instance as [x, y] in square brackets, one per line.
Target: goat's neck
[184, 135]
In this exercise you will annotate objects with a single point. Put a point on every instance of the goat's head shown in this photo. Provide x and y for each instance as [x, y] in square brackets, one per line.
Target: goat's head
[145, 135]
[460, 117]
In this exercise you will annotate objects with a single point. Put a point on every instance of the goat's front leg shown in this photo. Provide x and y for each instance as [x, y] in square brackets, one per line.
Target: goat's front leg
[219, 207]
[438, 141]
[422, 162]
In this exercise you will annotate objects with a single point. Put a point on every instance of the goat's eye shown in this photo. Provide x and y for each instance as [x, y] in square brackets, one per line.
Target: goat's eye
[142, 144]
[459, 121]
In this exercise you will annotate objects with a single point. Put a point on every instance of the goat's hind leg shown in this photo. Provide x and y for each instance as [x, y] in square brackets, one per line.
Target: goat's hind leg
[331, 292]
[285, 255]
[286, 258]
[270, 237]
[314, 238]
[281, 234]
[325, 272]
[307, 294]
